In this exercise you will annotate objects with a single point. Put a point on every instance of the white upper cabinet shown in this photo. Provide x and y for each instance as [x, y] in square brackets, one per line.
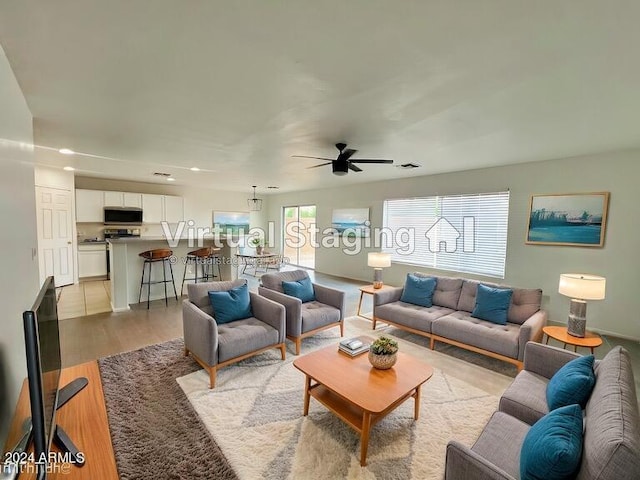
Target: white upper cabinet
[173, 209]
[122, 199]
[152, 208]
[89, 206]
[132, 200]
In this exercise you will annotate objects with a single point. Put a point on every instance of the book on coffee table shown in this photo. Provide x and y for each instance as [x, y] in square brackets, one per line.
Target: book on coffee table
[353, 347]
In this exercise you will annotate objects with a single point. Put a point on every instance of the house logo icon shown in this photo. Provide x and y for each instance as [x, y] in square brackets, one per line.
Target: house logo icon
[443, 232]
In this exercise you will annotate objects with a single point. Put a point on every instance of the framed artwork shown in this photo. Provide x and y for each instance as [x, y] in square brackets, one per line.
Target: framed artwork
[351, 222]
[234, 223]
[572, 219]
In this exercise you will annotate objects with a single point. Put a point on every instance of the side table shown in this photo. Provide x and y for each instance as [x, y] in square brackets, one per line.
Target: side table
[591, 340]
[368, 289]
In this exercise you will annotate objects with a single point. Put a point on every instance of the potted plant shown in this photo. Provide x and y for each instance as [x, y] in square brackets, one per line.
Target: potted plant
[383, 353]
[258, 244]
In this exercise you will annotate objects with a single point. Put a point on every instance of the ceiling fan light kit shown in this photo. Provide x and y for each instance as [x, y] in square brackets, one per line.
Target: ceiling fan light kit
[341, 165]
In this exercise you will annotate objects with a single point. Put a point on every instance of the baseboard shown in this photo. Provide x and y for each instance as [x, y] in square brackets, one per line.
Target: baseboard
[117, 310]
[601, 332]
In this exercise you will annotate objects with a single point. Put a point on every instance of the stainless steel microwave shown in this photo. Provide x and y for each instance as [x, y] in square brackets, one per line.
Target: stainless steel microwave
[122, 216]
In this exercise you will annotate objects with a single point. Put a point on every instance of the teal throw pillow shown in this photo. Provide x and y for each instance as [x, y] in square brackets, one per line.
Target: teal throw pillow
[573, 383]
[302, 289]
[552, 449]
[492, 304]
[418, 290]
[231, 305]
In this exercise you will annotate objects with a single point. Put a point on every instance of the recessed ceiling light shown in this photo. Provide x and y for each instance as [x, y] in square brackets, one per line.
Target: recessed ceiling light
[194, 169]
[69, 169]
[171, 179]
[273, 187]
[66, 151]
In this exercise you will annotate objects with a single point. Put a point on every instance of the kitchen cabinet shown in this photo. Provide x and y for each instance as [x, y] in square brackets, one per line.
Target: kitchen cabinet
[152, 208]
[173, 209]
[122, 199]
[89, 206]
[92, 260]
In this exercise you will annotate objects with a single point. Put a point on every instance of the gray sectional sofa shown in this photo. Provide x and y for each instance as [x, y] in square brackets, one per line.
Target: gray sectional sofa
[449, 320]
[611, 439]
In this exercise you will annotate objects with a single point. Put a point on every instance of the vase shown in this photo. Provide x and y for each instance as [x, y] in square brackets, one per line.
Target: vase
[259, 250]
[382, 362]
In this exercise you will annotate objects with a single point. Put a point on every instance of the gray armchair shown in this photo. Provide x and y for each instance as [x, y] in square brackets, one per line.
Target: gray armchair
[305, 319]
[215, 346]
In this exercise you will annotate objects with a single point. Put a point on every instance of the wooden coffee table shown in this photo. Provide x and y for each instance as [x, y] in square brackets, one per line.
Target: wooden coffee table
[357, 393]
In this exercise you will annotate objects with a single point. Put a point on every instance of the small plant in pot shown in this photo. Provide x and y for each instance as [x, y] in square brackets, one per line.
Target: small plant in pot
[383, 353]
[258, 244]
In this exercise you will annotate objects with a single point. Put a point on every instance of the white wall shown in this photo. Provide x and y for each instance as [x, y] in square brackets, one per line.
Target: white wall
[19, 280]
[199, 203]
[527, 265]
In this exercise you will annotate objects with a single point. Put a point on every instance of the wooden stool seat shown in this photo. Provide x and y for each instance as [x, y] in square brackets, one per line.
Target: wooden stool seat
[205, 257]
[165, 256]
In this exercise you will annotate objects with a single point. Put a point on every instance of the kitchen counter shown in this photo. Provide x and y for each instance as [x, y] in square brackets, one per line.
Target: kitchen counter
[126, 266]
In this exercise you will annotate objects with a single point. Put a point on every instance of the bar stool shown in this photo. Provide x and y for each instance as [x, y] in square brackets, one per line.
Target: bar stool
[214, 261]
[202, 257]
[153, 256]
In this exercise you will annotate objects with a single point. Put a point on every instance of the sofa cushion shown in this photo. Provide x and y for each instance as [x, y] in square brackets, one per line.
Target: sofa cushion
[553, 446]
[302, 289]
[230, 305]
[492, 304]
[524, 301]
[464, 328]
[244, 336]
[273, 281]
[447, 292]
[612, 423]
[526, 397]
[418, 290]
[315, 314]
[572, 383]
[410, 315]
[500, 442]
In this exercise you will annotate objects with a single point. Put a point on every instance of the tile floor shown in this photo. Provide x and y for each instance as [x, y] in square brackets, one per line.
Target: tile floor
[84, 298]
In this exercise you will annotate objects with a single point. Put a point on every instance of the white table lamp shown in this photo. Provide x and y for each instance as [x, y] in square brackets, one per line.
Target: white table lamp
[378, 261]
[580, 287]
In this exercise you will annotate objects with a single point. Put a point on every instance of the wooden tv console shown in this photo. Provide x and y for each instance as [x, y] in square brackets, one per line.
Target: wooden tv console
[84, 419]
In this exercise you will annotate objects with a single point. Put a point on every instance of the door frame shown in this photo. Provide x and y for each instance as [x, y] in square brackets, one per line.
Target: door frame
[283, 235]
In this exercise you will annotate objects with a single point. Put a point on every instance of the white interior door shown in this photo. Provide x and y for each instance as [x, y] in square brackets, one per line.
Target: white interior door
[55, 234]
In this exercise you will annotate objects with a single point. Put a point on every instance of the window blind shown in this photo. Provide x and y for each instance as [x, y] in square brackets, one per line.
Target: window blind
[460, 233]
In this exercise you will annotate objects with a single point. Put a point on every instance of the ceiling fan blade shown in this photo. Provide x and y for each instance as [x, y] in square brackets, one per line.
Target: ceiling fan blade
[315, 158]
[346, 154]
[354, 168]
[321, 165]
[368, 160]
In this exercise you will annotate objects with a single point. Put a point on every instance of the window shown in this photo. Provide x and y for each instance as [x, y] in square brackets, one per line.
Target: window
[460, 233]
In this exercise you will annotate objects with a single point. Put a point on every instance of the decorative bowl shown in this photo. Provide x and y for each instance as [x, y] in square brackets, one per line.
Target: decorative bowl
[382, 362]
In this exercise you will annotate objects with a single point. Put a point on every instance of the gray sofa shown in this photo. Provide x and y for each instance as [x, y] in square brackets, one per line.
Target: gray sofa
[449, 320]
[611, 447]
[308, 318]
[214, 346]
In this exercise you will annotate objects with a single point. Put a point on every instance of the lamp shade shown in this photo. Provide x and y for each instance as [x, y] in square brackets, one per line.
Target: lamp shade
[379, 260]
[582, 286]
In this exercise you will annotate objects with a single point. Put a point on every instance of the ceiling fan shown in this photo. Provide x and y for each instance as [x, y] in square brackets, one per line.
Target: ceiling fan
[344, 162]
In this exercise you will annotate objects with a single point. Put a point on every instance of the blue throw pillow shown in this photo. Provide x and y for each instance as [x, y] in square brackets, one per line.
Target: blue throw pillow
[552, 449]
[231, 305]
[418, 290]
[302, 289]
[571, 384]
[492, 304]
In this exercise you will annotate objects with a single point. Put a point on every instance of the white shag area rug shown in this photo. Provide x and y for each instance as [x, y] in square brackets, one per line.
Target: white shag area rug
[255, 415]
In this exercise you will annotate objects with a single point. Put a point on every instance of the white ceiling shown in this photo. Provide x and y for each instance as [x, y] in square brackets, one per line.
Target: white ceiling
[236, 88]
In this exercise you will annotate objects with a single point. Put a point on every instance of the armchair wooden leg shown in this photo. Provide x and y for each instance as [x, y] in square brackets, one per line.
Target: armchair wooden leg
[374, 323]
[342, 328]
[186, 352]
[212, 377]
[283, 351]
[298, 341]
[432, 344]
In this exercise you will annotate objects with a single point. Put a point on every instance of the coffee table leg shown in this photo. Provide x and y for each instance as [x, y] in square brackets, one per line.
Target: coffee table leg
[416, 397]
[364, 438]
[307, 396]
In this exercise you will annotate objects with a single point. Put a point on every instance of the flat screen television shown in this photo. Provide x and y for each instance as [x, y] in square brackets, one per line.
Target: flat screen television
[42, 345]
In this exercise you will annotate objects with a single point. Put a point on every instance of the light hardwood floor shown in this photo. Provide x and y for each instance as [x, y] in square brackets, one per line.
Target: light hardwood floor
[89, 337]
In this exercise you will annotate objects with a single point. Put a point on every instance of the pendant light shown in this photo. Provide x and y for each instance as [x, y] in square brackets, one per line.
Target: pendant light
[255, 204]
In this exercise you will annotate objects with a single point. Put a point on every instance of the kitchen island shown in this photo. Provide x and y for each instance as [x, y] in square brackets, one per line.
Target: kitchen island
[126, 266]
